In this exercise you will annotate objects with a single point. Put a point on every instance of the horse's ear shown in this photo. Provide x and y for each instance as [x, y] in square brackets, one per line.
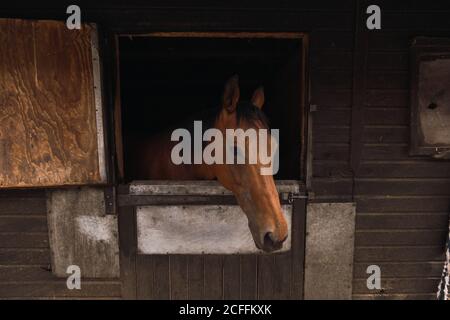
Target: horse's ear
[258, 98]
[231, 94]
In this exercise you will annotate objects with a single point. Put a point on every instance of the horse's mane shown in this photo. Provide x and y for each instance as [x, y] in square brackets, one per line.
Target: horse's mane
[249, 112]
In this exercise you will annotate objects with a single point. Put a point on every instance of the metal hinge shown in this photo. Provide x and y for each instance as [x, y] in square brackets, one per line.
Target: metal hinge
[110, 200]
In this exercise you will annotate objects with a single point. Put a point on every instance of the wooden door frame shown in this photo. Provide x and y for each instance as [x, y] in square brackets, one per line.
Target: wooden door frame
[305, 154]
[127, 203]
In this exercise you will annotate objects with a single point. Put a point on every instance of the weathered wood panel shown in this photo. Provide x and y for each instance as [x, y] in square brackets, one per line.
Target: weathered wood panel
[196, 276]
[178, 277]
[161, 277]
[48, 130]
[214, 277]
[231, 277]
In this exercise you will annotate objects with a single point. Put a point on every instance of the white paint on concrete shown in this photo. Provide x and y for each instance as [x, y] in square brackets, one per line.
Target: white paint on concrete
[196, 229]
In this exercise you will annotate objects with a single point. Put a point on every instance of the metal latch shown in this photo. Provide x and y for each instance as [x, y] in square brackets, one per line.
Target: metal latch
[291, 196]
[110, 200]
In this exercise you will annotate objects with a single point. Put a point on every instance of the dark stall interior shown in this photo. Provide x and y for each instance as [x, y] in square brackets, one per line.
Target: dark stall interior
[165, 80]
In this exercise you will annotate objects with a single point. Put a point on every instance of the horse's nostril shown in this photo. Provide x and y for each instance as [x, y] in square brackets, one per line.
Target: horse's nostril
[269, 240]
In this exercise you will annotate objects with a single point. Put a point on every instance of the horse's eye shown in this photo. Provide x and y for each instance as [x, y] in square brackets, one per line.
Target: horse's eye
[238, 155]
[236, 152]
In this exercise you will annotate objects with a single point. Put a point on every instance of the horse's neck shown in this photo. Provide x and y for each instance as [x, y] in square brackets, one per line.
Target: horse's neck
[158, 163]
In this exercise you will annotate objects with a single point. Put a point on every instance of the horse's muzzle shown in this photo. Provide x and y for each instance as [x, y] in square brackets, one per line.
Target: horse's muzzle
[271, 243]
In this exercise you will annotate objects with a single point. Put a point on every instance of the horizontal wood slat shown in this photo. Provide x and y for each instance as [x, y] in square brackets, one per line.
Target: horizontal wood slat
[401, 270]
[23, 240]
[392, 285]
[11, 206]
[403, 187]
[425, 168]
[395, 296]
[59, 289]
[399, 254]
[402, 204]
[23, 224]
[24, 257]
[386, 221]
[401, 237]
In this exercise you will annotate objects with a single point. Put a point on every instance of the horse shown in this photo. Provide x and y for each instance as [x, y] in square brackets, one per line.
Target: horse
[256, 194]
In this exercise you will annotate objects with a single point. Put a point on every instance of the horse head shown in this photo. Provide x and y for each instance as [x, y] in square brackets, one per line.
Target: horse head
[255, 192]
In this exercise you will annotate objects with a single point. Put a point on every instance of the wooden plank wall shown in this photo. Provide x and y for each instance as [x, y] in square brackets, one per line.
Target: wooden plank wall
[25, 253]
[402, 201]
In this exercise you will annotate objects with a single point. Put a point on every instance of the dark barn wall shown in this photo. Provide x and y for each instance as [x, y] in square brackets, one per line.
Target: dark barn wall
[402, 201]
[25, 253]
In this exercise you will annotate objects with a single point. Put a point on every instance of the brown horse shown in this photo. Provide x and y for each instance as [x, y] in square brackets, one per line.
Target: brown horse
[255, 193]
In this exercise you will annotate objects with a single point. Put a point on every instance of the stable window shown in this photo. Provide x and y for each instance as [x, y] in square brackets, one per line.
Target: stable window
[168, 77]
[430, 97]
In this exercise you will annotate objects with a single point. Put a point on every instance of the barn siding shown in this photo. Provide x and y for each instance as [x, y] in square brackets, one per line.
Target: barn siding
[25, 253]
[402, 201]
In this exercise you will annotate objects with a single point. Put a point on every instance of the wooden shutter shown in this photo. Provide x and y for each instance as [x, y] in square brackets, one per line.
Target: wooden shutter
[430, 97]
[51, 127]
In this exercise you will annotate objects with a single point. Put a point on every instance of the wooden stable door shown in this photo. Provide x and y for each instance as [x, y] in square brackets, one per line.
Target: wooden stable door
[174, 275]
[51, 127]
